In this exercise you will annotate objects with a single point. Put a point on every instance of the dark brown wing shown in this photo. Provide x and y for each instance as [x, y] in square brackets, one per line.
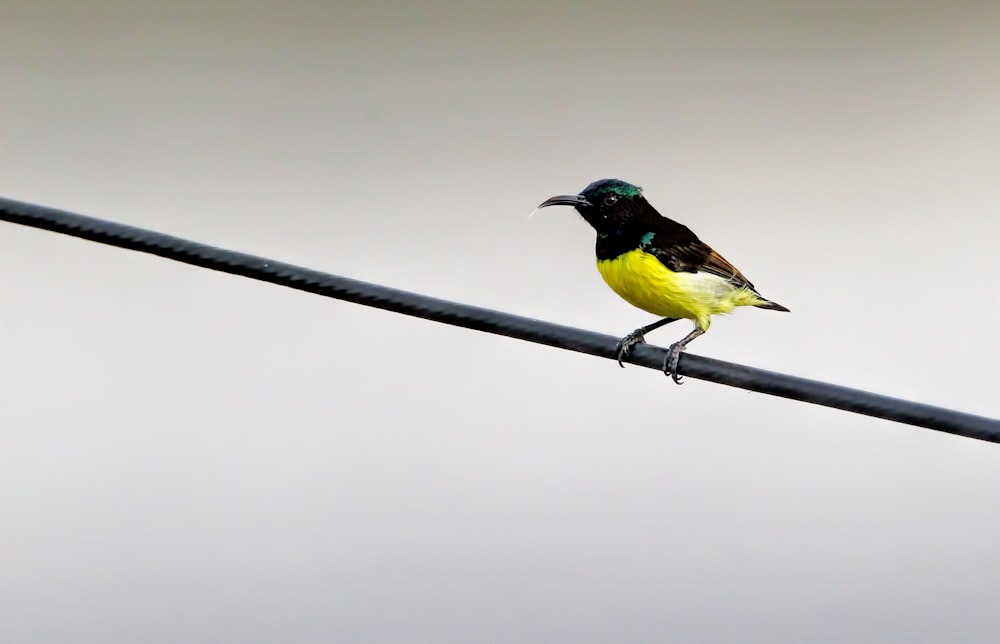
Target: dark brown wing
[680, 250]
[719, 265]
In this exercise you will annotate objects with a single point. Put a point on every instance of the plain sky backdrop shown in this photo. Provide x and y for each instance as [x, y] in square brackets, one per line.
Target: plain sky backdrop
[187, 456]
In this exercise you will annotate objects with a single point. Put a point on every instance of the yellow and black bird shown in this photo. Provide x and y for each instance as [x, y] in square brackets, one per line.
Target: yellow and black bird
[658, 265]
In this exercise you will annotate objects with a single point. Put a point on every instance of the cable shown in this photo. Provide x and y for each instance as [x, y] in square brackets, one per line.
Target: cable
[481, 319]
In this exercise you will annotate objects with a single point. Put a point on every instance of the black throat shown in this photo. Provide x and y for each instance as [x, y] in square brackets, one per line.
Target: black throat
[616, 243]
[621, 227]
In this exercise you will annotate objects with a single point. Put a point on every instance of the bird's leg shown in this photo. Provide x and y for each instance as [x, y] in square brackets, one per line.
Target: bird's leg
[674, 354]
[624, 346]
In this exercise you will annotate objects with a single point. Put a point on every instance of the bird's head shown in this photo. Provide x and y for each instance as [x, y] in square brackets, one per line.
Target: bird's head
[607, 204]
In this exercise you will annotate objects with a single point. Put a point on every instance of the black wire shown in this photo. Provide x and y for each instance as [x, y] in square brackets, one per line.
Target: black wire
[480, 319]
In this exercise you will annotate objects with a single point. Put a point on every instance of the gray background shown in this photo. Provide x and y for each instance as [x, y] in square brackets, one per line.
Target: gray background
[190, 456]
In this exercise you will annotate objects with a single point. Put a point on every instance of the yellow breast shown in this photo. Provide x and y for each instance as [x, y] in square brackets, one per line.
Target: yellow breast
[643, 281]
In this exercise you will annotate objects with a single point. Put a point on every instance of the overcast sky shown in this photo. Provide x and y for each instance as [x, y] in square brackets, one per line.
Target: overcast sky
[187, 456]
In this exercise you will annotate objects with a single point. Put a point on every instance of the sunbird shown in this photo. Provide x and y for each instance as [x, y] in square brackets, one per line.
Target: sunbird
[658, 265]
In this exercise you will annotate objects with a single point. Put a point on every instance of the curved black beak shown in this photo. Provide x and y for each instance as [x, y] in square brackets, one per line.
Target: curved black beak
[565, 200]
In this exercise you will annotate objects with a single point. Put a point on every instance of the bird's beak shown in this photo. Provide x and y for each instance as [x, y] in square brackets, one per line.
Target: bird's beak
[565, 200]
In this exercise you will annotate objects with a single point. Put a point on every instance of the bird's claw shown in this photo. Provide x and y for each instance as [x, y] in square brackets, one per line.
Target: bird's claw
[624, 346]
[670, 363]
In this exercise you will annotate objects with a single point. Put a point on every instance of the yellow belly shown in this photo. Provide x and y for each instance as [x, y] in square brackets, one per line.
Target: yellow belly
[643, 281]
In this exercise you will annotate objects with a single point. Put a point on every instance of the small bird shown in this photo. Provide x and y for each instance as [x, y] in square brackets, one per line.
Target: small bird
[658, 265]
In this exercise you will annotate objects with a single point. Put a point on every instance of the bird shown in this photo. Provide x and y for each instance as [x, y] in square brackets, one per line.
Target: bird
[658, 265]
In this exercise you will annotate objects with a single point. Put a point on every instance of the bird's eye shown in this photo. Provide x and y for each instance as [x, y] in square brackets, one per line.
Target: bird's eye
[610, 200]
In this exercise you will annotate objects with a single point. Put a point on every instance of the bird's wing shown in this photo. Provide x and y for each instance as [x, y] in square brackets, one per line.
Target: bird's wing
[719, 265]
[680, 250]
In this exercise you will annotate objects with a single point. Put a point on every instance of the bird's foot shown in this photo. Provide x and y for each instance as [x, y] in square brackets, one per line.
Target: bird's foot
[670, 363]
[624, 346]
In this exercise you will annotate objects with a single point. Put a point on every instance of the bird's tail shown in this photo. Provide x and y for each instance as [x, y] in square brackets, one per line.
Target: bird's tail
[771, 306]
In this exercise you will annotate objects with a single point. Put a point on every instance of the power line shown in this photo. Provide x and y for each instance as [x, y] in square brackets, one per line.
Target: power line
[481, 319]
